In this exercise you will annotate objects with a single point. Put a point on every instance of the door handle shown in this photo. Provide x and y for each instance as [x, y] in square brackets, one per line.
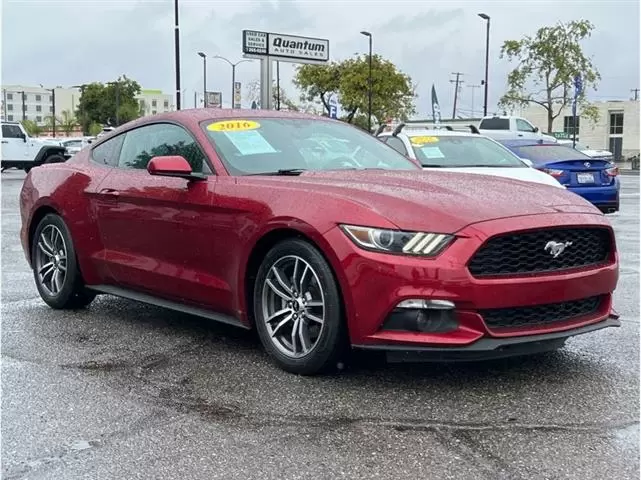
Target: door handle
[109, 192]
[5, 141]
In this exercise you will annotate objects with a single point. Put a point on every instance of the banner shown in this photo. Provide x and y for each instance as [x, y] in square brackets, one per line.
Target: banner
[237, 94]
[436, 109]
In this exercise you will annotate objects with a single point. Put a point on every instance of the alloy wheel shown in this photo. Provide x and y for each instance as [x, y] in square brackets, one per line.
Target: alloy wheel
[51, 260]
[293, 305]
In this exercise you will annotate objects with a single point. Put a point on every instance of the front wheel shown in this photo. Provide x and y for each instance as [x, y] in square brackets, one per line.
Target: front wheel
[298, 310]
[55, 267]
[55, 158]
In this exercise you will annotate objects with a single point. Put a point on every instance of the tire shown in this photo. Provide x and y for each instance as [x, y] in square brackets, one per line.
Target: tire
[55, 158]
[53, 254]
[317, 346]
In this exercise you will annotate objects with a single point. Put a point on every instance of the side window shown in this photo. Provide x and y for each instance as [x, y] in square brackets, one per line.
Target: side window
[107, 153]
[523, 126]
[397, 144]
[144, 143]
[11, 131]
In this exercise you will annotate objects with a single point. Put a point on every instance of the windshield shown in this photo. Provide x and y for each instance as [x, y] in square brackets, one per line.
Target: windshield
[267, 145]
[462, 151]
[547, 153]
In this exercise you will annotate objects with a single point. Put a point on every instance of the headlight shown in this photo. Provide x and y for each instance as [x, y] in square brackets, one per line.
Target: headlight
[396, 241]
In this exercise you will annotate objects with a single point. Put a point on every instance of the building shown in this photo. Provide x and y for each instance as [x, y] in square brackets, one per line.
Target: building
[617, 129]
[154, 101]
[20, 102]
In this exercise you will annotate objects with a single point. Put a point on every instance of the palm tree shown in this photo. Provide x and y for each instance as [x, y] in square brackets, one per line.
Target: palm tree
[68, 122]
[32, 128]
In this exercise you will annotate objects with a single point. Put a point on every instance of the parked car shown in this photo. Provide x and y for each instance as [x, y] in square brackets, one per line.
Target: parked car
[465, 152]
[503, 127]
[225, 214]
[595, 180]
[19, 150]
[75, 144]
[590, 152]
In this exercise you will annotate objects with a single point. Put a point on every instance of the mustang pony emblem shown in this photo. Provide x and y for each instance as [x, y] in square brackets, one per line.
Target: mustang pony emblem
[556, 248]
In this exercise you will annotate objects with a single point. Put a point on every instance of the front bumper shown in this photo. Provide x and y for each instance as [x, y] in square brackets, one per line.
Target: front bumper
[488, 348]
[373, 284]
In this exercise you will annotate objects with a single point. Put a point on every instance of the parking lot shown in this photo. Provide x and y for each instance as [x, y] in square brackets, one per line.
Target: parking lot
[122, 390]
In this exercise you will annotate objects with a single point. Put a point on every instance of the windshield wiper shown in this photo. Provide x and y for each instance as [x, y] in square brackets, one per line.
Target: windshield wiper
[283, 172]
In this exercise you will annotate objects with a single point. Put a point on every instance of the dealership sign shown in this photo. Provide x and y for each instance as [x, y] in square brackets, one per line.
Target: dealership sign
[285, 47]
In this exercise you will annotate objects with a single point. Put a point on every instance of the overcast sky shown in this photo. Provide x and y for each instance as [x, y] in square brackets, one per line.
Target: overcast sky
[67, 42]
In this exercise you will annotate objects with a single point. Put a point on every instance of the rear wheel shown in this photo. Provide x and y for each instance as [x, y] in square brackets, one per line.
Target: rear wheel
[298, 309]
[55, 266]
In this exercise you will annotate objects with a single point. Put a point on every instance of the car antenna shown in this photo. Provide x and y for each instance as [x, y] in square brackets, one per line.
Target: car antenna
[398, 129]
[380, 128]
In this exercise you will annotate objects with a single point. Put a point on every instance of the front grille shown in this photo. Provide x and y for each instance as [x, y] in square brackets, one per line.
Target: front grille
[525, 253]
[516, 317]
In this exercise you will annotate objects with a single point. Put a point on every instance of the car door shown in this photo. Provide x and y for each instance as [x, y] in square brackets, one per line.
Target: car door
[525, 129]
[14, 146]
[158, 232]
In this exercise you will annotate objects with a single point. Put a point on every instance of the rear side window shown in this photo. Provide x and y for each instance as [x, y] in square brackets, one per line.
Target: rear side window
[107, 153]
[495, 124]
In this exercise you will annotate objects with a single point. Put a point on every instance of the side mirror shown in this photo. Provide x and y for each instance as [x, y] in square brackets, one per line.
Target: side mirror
[23, 136]
[528, 162]
[172, 166]
[536, 129]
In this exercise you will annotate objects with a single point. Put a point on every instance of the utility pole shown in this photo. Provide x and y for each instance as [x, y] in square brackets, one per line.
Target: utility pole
[457, 81]
[473, 87]
[636, 93]
[24, 106]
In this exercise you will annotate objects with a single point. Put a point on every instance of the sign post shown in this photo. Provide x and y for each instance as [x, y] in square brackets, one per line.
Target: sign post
[237, 94]
[270, 47]
[214, 99]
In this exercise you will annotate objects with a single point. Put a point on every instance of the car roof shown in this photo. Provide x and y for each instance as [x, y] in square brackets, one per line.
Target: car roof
[194, 116]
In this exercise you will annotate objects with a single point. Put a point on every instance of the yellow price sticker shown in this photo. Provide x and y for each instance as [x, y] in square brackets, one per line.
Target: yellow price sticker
[233, 126]
[423, 140]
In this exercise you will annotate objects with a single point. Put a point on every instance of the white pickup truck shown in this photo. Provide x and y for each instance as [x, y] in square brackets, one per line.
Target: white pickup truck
[21, 151]
[510, 127]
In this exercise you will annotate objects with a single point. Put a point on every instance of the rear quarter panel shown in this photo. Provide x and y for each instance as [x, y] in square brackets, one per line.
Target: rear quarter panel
[67, 189]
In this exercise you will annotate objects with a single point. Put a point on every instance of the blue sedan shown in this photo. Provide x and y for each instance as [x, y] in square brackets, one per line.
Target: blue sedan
[595, 180]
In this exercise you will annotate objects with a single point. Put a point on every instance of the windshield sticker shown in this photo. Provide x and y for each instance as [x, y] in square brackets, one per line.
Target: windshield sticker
[249, 142]
[233, 126]
[418, 141]
[432, 152]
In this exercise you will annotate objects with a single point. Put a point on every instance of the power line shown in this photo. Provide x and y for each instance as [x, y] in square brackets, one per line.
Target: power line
[457, 81]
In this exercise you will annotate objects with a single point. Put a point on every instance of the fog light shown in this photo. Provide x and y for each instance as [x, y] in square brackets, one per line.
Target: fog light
[419, 315]
[426, 304]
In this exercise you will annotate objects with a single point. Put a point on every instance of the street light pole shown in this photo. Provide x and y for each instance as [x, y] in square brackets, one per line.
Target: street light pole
[204, 57]
[233, 74]
[487, 57]
[369, 93]
[177, 53]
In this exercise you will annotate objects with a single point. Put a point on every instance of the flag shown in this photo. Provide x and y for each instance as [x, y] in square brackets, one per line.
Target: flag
[436, 110]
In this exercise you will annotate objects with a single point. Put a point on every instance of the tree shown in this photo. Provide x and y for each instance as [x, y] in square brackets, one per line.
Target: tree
[547, 65]
[286, 102]
[32, 128]
[66, 122]
[392, 94]
[94, 129]
[99, 103]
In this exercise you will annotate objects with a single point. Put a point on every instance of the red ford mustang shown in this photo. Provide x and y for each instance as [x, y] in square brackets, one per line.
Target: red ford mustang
[319, 236]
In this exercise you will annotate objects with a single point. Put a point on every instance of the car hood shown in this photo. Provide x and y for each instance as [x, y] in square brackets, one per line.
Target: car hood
[597, 153]
[525, 174]
[422, 200]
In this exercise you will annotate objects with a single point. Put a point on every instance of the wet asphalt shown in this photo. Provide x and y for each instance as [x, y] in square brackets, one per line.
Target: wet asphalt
[127, 391]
